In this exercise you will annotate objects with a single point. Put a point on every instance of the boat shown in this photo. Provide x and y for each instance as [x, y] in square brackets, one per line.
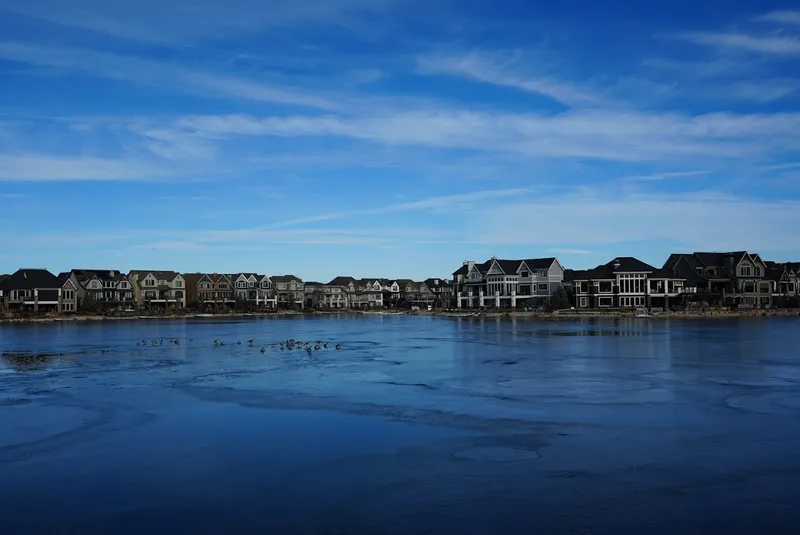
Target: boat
[641, 313]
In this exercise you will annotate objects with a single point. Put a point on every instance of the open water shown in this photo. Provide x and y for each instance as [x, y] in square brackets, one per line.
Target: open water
[418, 425]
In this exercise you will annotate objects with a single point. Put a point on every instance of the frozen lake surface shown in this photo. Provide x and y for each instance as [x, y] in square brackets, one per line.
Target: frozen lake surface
[418, 425]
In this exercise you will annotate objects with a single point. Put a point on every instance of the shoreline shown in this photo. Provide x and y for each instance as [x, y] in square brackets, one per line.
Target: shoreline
[555, 316]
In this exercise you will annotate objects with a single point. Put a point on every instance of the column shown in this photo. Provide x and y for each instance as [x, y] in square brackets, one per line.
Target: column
[36, 299]
[60, 305]
[481, 298]
[497, 299]
[513, 299]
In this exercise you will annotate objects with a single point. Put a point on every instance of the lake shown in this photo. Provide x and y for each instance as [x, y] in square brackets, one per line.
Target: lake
[420, 425]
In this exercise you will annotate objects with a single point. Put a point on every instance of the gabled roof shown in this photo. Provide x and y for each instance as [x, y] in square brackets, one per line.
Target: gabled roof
[539, 263]
[608, 271]
[286, 278]
[160, 275]
[438, 283]
[30, 279]
[342, 281]
[509, 267]
[102, 274]
[247, 276]
[629, 264]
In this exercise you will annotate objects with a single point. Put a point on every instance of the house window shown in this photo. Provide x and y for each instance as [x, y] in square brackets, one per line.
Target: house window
[605, 301]
[149, 282]
[584, 302]
[543, 273]
[605, 287]
[765, 300]
[543, 287]
[524, 274]
[764, 287]
[746, 271]
[179, 284]
[757, 271]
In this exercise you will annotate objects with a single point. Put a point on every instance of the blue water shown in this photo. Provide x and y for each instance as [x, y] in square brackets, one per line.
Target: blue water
[417, 425]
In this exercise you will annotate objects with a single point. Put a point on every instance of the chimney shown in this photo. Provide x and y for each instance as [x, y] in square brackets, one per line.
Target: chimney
[616, 263]
[436, 281]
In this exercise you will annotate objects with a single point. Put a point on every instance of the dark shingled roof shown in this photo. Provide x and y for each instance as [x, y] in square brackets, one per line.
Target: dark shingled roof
[539, 263]
[30, 279]
[285, 278]
[341, 281]
[437, 283]
[621, 264]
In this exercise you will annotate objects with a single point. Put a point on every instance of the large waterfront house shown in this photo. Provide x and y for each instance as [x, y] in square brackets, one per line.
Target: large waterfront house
[442, 290]
[289, 290]
[215, 291]
[254, 290]
[624, 282]
[334, 295]
[731, 278]
[158, 289]
[35, 290]
[101, 290]
[785, 279]
[507, 283]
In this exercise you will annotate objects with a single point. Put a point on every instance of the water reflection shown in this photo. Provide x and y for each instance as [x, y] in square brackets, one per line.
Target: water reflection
[28, 362]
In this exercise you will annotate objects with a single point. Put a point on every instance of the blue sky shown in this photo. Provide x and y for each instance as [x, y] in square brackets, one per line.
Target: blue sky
[394, 138]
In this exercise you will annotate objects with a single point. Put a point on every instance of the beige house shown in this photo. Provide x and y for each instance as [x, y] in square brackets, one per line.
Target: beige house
[253, 289]
[158, 289]
[289, 290]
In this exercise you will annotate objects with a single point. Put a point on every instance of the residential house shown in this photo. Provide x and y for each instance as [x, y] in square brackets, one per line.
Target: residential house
[290, 291]
[507, 283]
[192, 281]
[158, 289]
[103, 290]
[625, 282]
[415, 294]
[369, 293]
[341, 293]
[215, 291]
[784, 278]
[442, 290]
[732, 278]
[333, 295]
[35, 290]
[253, 290]
[70, 293]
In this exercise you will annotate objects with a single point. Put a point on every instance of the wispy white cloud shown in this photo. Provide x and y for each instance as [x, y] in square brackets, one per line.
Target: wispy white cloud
[599, 134]
[506, 69]
[781, 167]
[162, 75]
[761, 90]
[43, 167]
[664, 176]
[777, 45]
[459, 201]
[781, 17]
[691, 221]
[189, 21]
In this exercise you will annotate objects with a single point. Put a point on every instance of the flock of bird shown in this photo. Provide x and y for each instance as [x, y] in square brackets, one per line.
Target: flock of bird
[288, 345]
